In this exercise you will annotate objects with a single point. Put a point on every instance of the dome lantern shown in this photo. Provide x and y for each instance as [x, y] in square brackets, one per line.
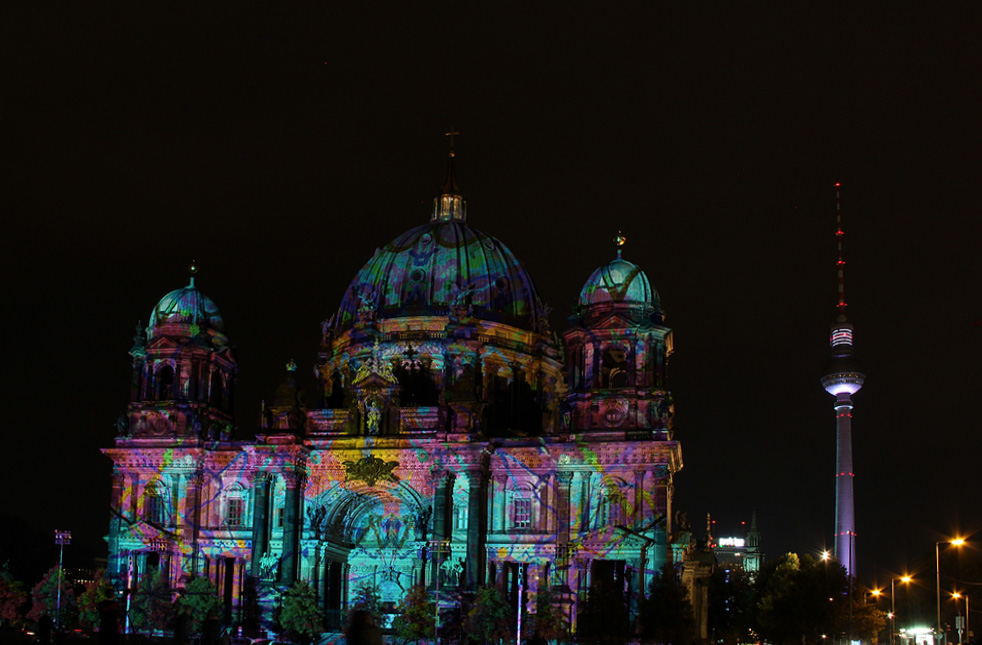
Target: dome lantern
[449, 205]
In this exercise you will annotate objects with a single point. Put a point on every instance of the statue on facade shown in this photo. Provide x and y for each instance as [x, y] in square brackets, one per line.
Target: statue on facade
[421, 521]
[269, 566]
[122, 425]
[373, 417]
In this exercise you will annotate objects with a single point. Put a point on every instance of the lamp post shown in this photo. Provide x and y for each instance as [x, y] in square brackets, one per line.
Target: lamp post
[956, 596]
[61, 539]
[893, 605]
[937, 572]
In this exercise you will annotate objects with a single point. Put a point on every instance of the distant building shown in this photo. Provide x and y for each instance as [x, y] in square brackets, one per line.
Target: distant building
[452, 441]
[740, 548]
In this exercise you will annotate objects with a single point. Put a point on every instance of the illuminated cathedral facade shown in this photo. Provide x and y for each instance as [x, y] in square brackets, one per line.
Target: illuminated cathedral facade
[454, 441]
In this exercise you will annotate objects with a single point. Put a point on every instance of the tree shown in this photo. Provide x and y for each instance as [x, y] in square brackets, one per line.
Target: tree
[199, 598]
[150, 606]
[299, 614]
[45, 599]
[603, 617]
[97, 591]
[368, 597]
[490, 618]
[666, 614]
[732, 605]
[415, 619]
[549, 620]
[13, 599]
[798, 599]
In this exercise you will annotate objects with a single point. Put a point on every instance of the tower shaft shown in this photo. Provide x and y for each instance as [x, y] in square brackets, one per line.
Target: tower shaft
[845, 518]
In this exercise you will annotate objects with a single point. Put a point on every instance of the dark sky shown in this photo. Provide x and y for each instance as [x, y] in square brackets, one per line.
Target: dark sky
[279, 147]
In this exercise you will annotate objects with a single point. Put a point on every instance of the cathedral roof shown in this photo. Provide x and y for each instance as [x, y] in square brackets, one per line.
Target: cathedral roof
[186, 306]
[618, 282]
[441, 268]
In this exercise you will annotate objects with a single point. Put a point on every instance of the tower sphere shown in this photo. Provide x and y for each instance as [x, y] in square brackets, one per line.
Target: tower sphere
[843, 372]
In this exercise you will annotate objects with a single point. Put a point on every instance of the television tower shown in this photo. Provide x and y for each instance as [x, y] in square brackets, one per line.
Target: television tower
[842, 379]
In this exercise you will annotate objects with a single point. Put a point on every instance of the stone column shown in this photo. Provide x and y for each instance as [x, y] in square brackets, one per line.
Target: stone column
[442, 504]
[562, 482]
[477, 498]
[193, 511]
[260, 520]
[639, 515]
[292, 524]
[498, 502]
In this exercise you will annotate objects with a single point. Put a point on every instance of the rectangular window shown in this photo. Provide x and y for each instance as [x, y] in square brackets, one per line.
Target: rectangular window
[460, 517]
[523, 513]
[235, 513]
[280, 514]
[153, 509]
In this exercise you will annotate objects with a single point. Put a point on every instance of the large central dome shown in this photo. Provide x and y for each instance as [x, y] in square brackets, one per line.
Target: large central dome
[442, 266]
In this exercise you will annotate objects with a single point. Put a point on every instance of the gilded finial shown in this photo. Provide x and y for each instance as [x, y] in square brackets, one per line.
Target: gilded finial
[620, 241]
[291, 366]
[451, 134]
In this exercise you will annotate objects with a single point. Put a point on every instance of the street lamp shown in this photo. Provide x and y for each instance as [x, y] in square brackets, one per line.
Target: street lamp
[61, 539]
[956, 596]
[937, 572]
[893, 604]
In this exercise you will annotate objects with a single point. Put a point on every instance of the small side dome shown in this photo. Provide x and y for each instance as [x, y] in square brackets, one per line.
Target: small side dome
[618, 282]
[186, 306]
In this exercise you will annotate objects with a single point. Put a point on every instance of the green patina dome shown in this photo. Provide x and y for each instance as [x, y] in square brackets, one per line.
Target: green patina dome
[618, 282]
[440, 267]
[186, 306]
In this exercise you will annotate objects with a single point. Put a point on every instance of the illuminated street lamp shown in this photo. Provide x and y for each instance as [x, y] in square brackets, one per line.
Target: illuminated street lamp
[937, 571]
[893, 604]
[955, 596]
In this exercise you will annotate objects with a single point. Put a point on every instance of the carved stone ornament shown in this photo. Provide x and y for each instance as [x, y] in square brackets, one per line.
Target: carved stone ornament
[370, 469]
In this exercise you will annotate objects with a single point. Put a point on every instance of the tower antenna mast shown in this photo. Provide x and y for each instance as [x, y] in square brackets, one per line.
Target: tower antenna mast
[840, 263]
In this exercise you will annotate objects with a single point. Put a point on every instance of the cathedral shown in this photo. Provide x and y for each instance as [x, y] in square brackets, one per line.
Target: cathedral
[454, 441]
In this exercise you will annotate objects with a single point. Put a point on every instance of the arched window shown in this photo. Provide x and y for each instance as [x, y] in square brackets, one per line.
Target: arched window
[165, 383]
[614, 368]
[155, 502]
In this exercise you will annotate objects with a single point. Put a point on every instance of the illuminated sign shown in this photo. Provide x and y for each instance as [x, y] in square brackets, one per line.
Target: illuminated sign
[731, 541]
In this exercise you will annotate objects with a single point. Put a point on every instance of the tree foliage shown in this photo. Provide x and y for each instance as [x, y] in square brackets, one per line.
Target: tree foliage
[13, 598]
[804, 599]
[490, 618]
[603, 618]
[415, 619]
[368, 597]
[666, 614]
[299, 613]
[732, 605]
[549, 621]
[150, 606]
[95, 592]
[44, 598]
[199, 598]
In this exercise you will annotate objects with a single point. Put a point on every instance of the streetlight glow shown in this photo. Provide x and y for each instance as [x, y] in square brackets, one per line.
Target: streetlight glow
[937, 572]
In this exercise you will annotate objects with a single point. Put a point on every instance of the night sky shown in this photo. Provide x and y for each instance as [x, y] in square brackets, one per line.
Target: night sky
[279, 147]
